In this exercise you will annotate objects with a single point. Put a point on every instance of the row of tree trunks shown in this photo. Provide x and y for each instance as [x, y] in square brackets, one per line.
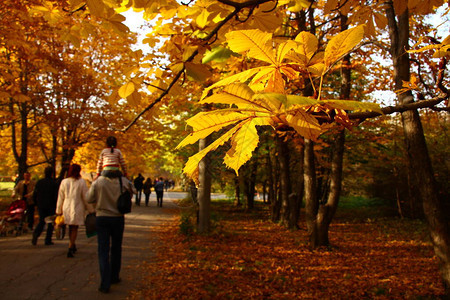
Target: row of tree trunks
[417, 150]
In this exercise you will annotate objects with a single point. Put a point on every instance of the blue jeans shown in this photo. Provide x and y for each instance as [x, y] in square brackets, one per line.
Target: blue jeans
[109, 237]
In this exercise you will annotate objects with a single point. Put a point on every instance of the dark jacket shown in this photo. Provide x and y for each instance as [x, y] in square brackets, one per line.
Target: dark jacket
[139, 182]
[148, 186]
[159, 186]
[45, 193]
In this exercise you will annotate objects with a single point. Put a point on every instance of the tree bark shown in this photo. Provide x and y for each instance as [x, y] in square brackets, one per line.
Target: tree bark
[204, 190]
[328, 209]
[237, 191]
[416, 145]
[250, 185]
[22, 156]
[296, 197]
[285, 180]
[311, 201]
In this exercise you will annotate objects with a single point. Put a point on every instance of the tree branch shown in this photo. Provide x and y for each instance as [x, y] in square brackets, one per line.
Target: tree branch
[430, 103]
[238, 7]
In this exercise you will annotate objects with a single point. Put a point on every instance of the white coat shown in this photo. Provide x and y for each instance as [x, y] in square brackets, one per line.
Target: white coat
[72, 202]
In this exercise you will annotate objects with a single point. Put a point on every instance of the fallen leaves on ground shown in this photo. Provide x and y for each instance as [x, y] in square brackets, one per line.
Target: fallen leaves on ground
[249, 257]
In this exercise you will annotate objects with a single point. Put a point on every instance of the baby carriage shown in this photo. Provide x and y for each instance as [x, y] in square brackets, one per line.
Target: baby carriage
[11, 222]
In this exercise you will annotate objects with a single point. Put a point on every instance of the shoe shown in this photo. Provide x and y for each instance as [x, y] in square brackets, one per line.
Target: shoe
[49, 243]
[70, 253]
[74, 249]
[115, 281]
[103, 290]
[34, 240]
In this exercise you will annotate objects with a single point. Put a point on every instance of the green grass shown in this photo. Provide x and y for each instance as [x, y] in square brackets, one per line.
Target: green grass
[6, 186]
[359, 201]
[360, 208]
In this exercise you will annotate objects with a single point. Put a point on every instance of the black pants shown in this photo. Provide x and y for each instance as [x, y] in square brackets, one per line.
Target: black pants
[147, 198]
[159, 198]
[109, 238]
[138, 197]
[30, 215]
[43, 213]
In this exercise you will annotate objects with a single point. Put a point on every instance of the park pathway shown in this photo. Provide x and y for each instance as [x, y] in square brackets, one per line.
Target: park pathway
[44, 272]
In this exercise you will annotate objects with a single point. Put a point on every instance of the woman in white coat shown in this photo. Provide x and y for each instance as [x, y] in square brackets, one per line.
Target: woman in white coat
[72, 204]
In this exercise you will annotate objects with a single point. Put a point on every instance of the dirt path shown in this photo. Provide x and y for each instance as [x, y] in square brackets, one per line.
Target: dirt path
[44, 272]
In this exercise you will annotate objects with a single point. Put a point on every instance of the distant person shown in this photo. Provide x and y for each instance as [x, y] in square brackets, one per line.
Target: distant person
[24, 191]
[111, 160]
[139, 184]
[147, 190]
[45, 196]
[159, 190]
[166, 184]
[104, 192]
[72, 204]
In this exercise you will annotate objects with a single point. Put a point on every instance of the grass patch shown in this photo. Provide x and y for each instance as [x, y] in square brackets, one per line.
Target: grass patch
[6, 186]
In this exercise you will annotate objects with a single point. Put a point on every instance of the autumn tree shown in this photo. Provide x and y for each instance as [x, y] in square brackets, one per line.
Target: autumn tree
[266, 89]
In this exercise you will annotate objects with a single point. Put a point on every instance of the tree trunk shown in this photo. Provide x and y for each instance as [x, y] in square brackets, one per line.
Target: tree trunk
[285, 180]
[22, 156]
[276, 193]
[271, 195]
[296, 197]
[250, 185]
[416, 145]
[311, 201]
[204, 190]
[237, 191]
[328, 209]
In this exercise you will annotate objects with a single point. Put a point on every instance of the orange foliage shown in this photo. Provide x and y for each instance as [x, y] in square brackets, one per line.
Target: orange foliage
[253, 259]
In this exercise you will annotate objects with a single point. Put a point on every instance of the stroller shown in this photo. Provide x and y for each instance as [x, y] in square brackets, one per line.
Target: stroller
[12, 221]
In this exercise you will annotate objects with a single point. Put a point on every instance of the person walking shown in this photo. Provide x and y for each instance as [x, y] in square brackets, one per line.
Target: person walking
[72, 204]
[44, 196]
[111, 160]
[159, 190]
[147, 190]
[139, 184]
[24, 191]
[104, 193]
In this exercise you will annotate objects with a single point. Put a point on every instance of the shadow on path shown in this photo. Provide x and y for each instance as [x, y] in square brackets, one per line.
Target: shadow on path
[44, 272]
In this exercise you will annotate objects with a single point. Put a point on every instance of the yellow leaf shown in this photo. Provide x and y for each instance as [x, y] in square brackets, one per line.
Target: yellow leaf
[254, 41]
[177, 67]
[97, 8]
[126, 90]
[380, 20]
[299, 5]
[239, 94]
[134, 99]
[294, 101]
[352, 105]
[342, 43]
[244, 141]
[308, 45]
[197, 72]
[240, 77]
[202, 19]
[188, 51]
[443, 51]
[283, 49]
[191, 167]
[276, 83]
[305, 124]
[317, 69]
[205, 123]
